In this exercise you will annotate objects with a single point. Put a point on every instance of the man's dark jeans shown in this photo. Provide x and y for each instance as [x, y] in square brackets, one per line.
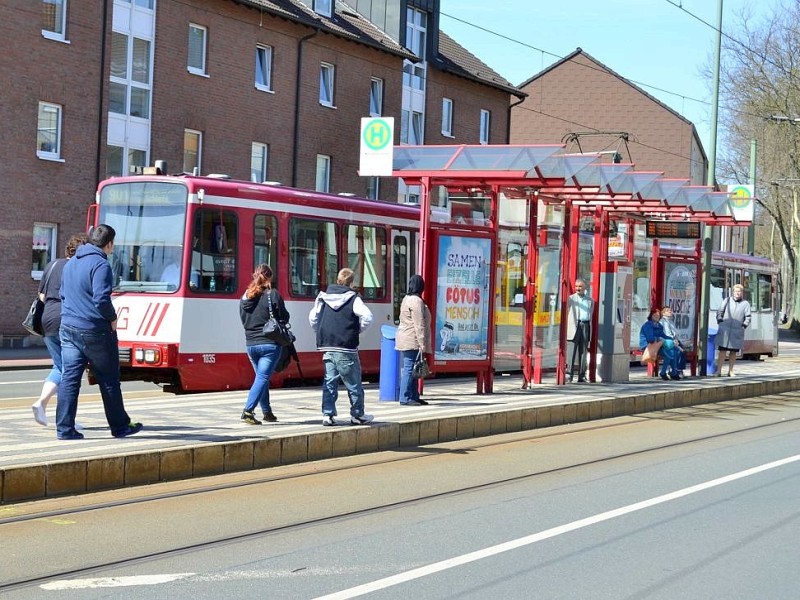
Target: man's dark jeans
[79, 347]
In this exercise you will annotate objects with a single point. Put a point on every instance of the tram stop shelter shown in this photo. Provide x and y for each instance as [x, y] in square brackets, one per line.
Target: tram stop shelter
[498, 221]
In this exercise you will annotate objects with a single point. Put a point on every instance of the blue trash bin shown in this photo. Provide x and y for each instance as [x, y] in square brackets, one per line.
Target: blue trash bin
[711, 352]
[390, 366]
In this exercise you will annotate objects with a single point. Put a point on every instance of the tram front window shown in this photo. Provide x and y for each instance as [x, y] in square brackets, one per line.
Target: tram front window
[149, 219]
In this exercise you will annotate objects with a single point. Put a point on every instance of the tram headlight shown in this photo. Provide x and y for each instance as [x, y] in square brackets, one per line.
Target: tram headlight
[150, 356]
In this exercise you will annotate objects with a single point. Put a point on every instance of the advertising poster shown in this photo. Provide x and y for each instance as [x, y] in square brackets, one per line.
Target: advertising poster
[462, 298]
[680, 295]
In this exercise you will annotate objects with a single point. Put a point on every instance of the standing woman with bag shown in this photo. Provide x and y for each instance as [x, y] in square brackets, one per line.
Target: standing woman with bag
[259, 303]
[413, 338]
[733, 318]
[51, 322]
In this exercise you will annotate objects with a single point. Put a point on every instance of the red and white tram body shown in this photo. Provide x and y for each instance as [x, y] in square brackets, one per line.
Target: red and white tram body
[185, 251]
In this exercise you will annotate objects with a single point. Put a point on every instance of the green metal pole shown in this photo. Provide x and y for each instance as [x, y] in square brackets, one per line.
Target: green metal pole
[751, 231]
[708, 233]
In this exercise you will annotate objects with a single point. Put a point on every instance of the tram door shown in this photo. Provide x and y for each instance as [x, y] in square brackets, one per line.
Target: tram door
[403, 267]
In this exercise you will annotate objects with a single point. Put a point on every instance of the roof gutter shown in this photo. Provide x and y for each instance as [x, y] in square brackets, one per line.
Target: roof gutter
[295, 140]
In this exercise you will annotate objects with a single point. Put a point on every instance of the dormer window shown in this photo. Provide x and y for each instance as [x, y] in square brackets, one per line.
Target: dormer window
[323, 7]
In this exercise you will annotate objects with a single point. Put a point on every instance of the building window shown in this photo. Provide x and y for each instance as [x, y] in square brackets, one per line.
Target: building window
[375, 97]
[416, 32]
[447, 117]
[485, 121]
[192, 150]
[326, 82]
[114, 161]
[44, 241]
[323, 179]
[373, 188]
[197, 49]
[54, 19]
[48, 135]
[136, 158]
[130, 76]
[264, 68]
[411, 127]
[323, 7]
[258, 162]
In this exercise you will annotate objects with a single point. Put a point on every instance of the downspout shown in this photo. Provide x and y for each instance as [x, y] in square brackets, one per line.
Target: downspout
[100, 99]
[508, 125]
[295, 149]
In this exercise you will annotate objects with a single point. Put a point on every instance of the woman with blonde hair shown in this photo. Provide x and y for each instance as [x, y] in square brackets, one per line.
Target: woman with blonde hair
[259, 301]
[733, 317]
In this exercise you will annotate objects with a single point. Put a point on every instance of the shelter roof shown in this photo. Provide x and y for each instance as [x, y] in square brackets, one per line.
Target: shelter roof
[584, 179]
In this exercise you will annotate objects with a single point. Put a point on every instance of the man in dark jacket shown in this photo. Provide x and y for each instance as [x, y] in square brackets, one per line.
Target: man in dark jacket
[89, 335]
[338, 318]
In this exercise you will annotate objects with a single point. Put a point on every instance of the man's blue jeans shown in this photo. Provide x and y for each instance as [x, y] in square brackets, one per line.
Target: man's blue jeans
[409, 386]
[264, 358]
[347, 367]
[80, 347]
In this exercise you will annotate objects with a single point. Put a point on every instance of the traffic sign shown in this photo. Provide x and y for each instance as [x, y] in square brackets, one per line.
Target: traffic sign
[377, 146]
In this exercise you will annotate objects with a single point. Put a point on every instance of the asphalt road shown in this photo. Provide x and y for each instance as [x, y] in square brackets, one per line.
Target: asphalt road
[699, 502]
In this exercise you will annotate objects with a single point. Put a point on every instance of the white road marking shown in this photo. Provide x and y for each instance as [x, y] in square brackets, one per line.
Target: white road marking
[549, 533]
[108, 582]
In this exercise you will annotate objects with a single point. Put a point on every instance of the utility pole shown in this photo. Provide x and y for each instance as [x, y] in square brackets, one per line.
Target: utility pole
[708, 232]
[751, 231]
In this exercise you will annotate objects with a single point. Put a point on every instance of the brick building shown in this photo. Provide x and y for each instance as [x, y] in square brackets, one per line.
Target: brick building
[257, 89]
[580, 101]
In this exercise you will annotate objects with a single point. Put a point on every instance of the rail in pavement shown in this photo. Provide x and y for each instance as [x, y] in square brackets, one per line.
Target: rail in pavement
[201, 435]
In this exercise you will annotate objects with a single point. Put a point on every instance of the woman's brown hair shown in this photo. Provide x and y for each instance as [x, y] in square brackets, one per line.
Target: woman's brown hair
[262, 280]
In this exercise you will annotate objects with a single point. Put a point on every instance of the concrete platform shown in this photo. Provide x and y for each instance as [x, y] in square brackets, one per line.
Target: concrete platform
[200, 435]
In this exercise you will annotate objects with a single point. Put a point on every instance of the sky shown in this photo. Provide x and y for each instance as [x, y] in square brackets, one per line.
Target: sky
[660, 47]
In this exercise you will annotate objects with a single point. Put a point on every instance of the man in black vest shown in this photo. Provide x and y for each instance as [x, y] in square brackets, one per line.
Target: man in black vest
[338, 318]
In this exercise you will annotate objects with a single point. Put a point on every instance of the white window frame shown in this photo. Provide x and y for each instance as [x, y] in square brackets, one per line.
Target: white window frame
[327, 85]
[447, 117]
[55, 34]
[323, 7]
[195, 70]
[375, 97]
[129, 81]
[45, 239]
[322, 181]
[199, 136]
[417, 32]
[259, 152]
[264, 51]
[486, 119]
[53, 153]
[374, 188]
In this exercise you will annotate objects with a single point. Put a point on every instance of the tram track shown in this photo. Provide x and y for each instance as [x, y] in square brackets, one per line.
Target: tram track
[737, 406]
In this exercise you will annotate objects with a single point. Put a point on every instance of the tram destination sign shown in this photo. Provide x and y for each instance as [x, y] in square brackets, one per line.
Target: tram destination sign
[684, 230]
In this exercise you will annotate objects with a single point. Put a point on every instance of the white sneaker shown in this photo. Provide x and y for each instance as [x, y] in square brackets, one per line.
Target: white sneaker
[364, 419]
[39, 415]
[329, 421]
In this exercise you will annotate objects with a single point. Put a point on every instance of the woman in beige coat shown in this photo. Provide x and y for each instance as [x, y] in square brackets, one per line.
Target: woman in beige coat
[413, 337]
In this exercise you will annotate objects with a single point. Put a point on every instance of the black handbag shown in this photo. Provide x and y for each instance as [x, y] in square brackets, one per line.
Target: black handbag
[33, 320]
[275, 330]
[420, 370]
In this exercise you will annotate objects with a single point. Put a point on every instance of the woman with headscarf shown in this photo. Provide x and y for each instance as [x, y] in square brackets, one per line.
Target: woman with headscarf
[261, 301]
[413, 337]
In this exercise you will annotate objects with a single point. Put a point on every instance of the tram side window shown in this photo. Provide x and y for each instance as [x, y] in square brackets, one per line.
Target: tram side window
[717, 290]
[764, 292]
[313, 260]
[214, 251]
[366, 255]
[265, 244]
[747, 283]
[400, 273]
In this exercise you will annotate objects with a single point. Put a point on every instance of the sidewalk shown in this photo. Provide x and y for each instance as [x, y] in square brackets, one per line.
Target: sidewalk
[24, 358]
[201, 434]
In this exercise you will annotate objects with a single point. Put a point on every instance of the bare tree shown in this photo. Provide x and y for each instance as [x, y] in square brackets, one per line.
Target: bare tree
[760, 99]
